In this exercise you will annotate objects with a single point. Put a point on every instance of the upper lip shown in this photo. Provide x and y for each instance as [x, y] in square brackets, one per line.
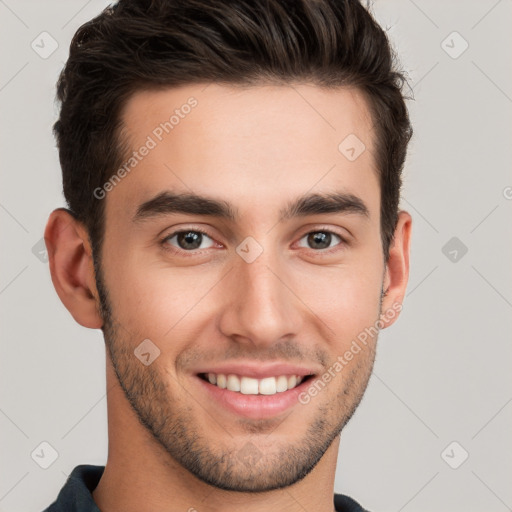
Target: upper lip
[258, 370]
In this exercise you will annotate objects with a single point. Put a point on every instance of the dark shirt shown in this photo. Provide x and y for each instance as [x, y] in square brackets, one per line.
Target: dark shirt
[76, 495]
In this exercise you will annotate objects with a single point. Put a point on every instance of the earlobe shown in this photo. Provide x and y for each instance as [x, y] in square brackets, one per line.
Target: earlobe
[397, 270]
[71, 267]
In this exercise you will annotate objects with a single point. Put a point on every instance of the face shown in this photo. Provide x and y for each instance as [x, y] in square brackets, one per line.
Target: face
[244, 247]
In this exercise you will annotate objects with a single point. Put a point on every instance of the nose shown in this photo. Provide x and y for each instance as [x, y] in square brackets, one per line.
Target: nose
[261, 307]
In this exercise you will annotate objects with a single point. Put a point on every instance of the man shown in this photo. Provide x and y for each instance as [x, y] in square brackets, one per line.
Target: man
[232, 171]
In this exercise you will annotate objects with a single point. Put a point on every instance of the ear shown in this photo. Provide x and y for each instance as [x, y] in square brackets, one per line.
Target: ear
[396, 274]
[71, 267]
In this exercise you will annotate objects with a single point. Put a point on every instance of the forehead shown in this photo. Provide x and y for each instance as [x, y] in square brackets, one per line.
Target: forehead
[252, 145]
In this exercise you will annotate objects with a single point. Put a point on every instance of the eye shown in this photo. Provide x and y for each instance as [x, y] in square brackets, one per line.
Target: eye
[189, 240]
[320, 240]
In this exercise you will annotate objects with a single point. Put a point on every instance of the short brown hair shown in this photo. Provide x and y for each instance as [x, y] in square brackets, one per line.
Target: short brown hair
[139, 44]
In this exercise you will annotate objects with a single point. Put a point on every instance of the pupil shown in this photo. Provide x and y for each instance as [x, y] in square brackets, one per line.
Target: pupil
[189, 240]
[321, 239]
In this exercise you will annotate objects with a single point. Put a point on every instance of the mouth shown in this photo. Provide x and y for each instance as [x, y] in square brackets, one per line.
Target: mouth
[251, 397]
[251, 386]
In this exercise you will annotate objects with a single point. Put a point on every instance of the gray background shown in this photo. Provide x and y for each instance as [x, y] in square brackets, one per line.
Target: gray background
[442, 373]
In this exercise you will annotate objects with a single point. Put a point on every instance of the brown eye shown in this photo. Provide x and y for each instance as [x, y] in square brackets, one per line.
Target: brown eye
[320, 240]
[189, 240]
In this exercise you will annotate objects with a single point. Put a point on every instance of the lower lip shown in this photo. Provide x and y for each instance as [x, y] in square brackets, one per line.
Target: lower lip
[254, 406]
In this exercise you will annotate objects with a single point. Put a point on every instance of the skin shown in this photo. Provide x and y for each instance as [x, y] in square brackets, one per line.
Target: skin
[257, 148]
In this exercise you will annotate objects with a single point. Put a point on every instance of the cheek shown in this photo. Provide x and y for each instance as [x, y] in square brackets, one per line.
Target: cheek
[346, 298]
[153, 301]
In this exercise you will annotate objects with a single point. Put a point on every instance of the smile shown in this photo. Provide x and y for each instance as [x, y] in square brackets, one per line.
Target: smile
[251, 386]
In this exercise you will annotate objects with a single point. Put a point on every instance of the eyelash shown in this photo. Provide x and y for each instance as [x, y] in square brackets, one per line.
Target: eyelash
[182, 252]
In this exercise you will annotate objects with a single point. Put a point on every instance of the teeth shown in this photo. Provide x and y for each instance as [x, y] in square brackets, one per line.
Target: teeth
[251, 386]
[233, 383]
[268, 386]
[248, 386]
[221, 381]
[281, 383]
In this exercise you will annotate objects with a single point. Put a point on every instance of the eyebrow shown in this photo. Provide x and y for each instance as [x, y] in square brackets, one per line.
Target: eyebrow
[167, 203]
